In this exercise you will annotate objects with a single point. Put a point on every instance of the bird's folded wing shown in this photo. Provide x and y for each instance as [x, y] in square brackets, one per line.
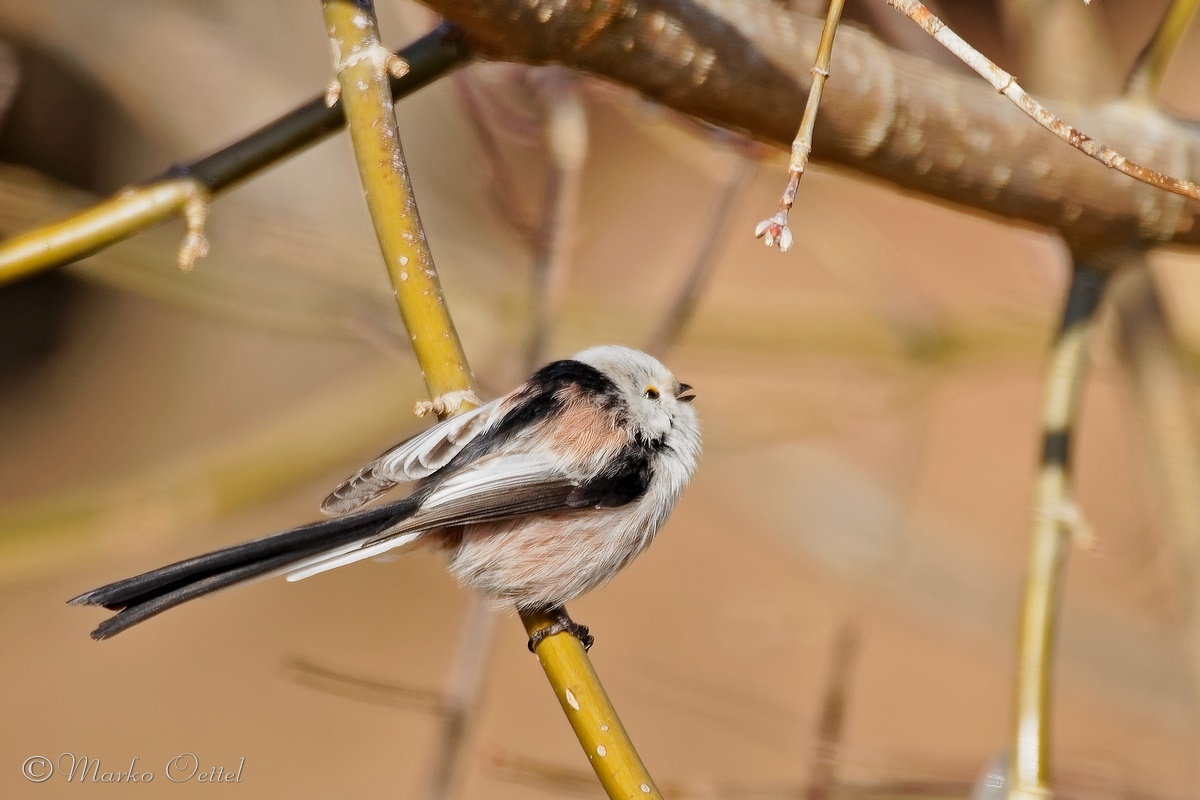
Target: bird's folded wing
[412, 459]
[497, 487]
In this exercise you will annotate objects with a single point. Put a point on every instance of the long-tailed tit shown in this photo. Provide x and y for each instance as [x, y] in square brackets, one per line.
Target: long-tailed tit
[537, 497]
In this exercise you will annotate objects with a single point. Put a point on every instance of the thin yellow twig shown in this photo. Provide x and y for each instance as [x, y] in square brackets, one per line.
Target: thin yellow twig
[188, 188]
[103, 224]
[362, 65]
[776, 228]
[1007, 85]
[1053, 514]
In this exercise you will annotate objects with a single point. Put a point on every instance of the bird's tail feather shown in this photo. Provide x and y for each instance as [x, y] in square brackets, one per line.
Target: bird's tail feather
[143, 596]
[356, 551]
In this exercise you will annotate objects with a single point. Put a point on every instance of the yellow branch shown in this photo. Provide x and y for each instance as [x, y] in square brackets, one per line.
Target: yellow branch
[1152, 64]
[187, 188]
[97, 227]
[1055, 518]
[591, 713]
[363, 66]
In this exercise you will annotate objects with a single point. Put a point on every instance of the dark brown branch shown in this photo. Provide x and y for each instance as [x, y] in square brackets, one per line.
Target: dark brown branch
[431, 57]
[741, 64]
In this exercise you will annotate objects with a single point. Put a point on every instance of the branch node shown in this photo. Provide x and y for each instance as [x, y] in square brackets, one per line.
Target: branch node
[396, 66]
[375, 53]
[333, 93]
[445, 404]
[195, 243]
[1069, 515]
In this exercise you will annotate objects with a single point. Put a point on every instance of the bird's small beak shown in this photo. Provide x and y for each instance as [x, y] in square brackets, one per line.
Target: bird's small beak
[683, 394]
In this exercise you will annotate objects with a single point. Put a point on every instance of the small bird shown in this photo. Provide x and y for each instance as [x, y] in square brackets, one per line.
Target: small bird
[537, 497]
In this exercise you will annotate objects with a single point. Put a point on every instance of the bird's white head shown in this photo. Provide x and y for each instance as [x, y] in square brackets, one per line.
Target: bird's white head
[659, 405]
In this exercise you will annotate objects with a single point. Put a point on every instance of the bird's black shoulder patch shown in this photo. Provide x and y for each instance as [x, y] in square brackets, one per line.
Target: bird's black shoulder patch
[570, 373]
[623, 481]
[545, 394]
[550, 388]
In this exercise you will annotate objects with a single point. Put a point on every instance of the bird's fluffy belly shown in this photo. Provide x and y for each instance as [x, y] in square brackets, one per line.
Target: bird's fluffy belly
[546, 561]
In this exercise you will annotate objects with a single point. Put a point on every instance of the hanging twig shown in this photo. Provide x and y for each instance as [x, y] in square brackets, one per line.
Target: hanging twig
[362, 66]
[896, 116]
[1007, 85]
[971, 152]
[1055, 519]
[776, 228]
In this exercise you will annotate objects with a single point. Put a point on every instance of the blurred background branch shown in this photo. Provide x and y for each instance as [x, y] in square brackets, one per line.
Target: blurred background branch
[1058, 522]
[742, 64]
[134, 209]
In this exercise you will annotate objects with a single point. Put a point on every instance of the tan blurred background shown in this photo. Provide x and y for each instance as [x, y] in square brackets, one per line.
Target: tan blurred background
[869, 402]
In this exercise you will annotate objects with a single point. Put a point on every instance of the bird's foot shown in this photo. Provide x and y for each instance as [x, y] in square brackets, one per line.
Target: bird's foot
[561, 624]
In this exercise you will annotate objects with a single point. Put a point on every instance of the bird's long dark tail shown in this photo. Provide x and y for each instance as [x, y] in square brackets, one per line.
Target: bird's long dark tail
[143, 596]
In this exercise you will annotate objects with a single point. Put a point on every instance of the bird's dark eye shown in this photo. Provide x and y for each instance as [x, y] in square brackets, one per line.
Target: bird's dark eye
[651, 393]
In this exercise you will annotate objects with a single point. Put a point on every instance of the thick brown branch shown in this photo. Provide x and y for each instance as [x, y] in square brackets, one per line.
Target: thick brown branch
[742, 64]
